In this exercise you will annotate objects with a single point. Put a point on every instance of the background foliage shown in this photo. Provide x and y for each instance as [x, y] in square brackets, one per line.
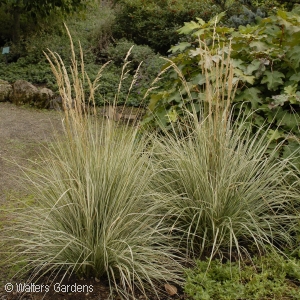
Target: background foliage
[266, 61]
[101, 26]
[155, 22]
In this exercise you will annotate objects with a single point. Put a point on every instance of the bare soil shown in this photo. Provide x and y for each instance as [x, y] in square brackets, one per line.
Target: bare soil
[22, 132]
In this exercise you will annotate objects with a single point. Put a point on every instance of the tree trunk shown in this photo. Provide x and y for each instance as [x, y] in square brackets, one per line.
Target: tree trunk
[16, 13]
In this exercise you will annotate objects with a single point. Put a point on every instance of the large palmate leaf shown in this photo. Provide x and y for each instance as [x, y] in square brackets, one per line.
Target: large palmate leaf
[254, 66]
[295, 77]
[246, 78]
[273, 79]
[180, 47]
[294, 55]
[250, 94]
[259, 45]
[189, 27]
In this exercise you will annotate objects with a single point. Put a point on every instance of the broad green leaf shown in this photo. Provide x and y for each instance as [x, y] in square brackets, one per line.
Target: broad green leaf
[258, 120]
[279, 100]
[153, 101]
[294, 56]
[200, 21]
[181, 47]
[251, 95]
[245, 30]
[197, 51]
[223, 30]
[259, 46]
[272, 30]
[284, 118]
[291, 89]
[273, 79]
[216, 19]
[238, 63]
[199, 79]
[193, 107]
[243, 77]
[282, 14]
[175, 97]
[292, 147]
[199, 32]
[254, 66]
[161, 114]
[188, 27]
[295, 77]
[274, 134]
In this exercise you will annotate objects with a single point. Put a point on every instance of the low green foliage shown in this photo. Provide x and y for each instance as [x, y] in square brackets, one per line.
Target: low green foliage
[35, 73]
[269, 277]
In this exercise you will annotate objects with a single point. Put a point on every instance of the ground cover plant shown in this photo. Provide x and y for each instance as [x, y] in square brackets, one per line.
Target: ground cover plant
[270, 277]
[94, 212]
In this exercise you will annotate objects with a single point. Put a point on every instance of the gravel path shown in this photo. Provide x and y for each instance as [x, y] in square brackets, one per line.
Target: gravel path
[22, 131]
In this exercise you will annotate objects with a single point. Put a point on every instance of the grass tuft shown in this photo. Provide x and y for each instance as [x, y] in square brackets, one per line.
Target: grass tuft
[229, 194]
[95, 212]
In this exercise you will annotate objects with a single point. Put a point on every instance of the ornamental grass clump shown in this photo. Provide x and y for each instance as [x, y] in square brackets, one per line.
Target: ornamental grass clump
[95, 213]
[230, 196]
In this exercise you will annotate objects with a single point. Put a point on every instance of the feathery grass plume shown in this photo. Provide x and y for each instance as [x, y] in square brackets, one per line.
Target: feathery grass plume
[95, 212]
[228, 194]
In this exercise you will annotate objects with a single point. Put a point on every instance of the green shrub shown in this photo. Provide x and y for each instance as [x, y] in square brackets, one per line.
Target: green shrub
[266, 278]
[266, 64]
[142, 58]
[246, 12]
[109, 84]
[118, 52]
[154, 23]
[246, 17]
